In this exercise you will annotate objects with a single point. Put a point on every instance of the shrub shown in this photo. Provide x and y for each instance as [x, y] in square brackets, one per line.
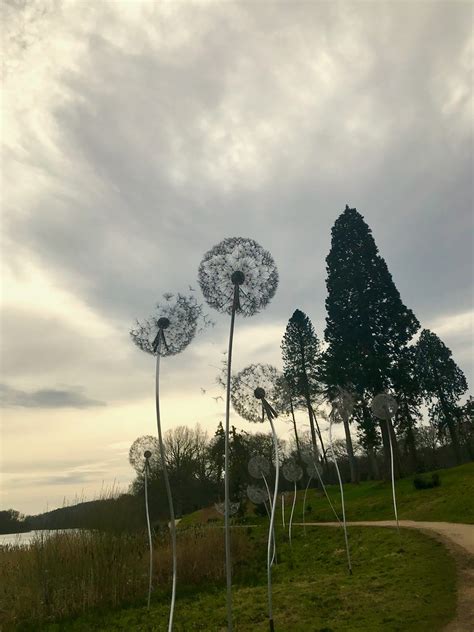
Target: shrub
[420, 482]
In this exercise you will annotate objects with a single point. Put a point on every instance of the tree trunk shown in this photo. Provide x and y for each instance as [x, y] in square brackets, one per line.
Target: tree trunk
[373, 464]
[350, 451]
[313, 420]
[454, 439]
[410, 440]
[298, 449]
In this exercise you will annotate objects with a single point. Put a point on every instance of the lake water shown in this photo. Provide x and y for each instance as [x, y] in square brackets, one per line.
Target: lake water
[23, 539]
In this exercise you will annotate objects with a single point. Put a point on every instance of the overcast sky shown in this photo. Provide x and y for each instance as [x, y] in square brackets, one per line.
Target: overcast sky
[138, 134]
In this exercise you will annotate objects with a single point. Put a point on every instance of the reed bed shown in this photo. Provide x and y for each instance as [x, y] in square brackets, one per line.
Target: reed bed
[61, 574]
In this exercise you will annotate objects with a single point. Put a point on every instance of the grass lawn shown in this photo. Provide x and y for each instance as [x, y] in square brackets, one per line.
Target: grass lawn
[404, 583]
[453, 501]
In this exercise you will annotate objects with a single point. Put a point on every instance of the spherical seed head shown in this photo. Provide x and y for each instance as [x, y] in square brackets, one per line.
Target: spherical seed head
[257, 495]
[180, 316]
[384, 406]
[163, 323]
[237, 277]
[292, 471]
[142, 451]
[249, 386]
[238, 261]
[259, 466]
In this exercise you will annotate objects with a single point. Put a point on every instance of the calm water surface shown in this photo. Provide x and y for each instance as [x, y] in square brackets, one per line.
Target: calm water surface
[23, 539]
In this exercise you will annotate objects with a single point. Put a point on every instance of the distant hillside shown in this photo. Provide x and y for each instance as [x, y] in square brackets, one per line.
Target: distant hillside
[124, 512]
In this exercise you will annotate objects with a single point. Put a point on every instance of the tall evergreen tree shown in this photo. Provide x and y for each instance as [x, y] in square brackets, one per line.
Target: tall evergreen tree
[407, 387]
[301, 361]
[443, 383]
[367, 324]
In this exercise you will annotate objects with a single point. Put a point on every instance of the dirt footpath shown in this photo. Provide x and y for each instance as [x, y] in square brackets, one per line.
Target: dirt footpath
[459, 539]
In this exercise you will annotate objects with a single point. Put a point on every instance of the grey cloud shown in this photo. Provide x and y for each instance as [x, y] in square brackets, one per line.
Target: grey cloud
[250, 120]
[45, 398]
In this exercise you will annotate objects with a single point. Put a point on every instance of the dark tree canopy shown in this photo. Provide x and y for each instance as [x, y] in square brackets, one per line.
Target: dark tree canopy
[442, 383]
[301, 363]
[301, 356]
[367, 323]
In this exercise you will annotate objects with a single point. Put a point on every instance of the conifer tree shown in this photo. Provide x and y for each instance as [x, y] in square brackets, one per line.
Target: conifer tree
[367, 324]
[407, 387]
[443, 383]
[301, 362]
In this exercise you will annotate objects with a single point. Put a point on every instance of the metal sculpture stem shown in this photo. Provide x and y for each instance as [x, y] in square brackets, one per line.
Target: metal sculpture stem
[228, 559]
[283, 510]
[270, 500]
[325, 491]
[272, 523]
[150, 542]
[349, 565]
[393, 475]
[304, 503]
[291, 515]
[168, 490]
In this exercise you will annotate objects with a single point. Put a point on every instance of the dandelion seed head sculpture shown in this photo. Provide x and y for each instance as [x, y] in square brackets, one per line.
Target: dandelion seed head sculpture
[384, 406]
[343, 404]
[233, 508]
[292, 471]
[310, 455]
[259, 466]
[251, 388]
[241, 262]
[258, 495]
[144, 449]
[175, 323]
[311, 470]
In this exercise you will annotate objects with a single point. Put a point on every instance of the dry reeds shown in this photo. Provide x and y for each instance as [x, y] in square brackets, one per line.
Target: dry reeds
[66, 573]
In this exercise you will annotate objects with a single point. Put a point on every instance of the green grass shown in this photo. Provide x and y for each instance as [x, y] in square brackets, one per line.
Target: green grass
[453, 501]
[402, 583]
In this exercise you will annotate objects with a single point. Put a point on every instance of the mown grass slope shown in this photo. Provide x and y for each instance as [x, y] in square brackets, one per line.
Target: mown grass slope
[399, 583]
[452, 501]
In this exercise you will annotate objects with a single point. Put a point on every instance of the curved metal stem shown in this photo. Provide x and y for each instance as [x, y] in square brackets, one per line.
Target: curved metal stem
[283, 510]
[393, 476]
[304, 503]
[168, 490]
[272, 523]
[349, 565]
[150, 542]
[325, 491]
[228, 559]
[270, 500]
[291, 515]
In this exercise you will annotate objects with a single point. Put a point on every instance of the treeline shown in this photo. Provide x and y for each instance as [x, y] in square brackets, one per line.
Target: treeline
[373, 344]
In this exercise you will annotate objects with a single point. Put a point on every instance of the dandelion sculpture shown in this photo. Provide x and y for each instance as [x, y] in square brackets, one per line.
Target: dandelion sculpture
[342, 407]
[259, 467]
[250, 390]
[236, 276]
[233, 508]
[143, 457]
[293, 473]
[385, 406]
[310, 456]
[258, 495]
[167, 333]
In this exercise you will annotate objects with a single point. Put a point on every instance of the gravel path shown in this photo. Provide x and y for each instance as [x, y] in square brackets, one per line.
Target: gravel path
[459, 539]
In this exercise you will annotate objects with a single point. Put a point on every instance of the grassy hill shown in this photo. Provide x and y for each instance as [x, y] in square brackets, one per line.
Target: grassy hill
[452, 501]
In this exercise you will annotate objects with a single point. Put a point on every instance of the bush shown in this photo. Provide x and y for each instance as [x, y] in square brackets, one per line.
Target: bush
[420, 482]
